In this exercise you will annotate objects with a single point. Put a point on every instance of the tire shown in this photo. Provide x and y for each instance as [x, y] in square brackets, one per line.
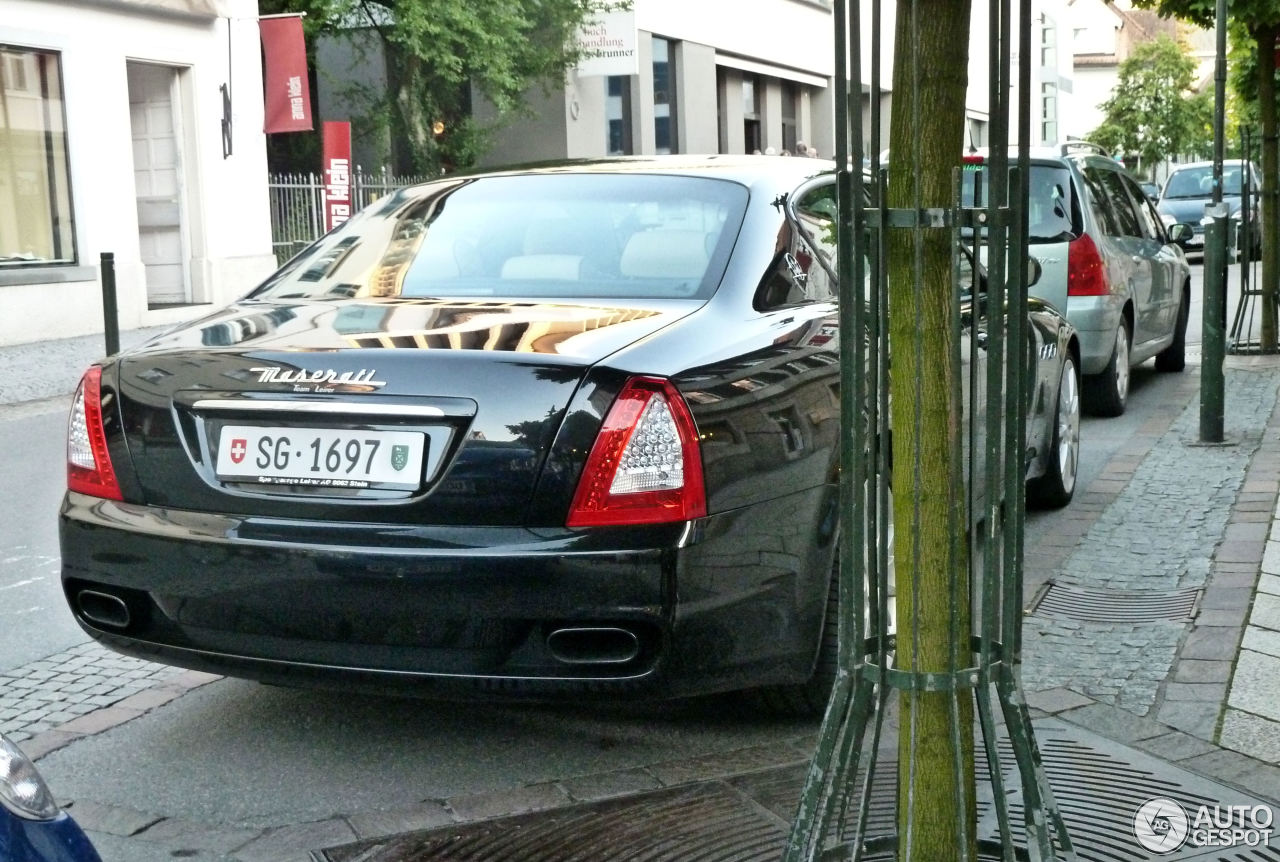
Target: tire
[1174, 357]
[1055, 488]
[1108, 392]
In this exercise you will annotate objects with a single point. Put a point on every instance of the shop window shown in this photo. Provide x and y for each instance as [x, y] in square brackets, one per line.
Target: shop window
[664, 96]
[751, 89]
[617, 109]
[36, 224]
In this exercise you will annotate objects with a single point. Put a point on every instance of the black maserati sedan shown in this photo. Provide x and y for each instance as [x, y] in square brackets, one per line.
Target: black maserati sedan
[569, 430]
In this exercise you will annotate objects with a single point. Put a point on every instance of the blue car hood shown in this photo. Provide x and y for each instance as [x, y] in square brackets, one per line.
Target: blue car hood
[1191, 210]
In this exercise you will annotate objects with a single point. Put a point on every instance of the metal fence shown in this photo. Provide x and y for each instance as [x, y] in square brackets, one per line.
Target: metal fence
[297, 205]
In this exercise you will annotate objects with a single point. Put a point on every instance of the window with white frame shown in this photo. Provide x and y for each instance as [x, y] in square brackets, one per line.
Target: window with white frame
[1049, 113]
[36, 222]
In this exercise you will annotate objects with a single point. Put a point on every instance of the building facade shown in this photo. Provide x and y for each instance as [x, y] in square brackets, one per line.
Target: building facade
[132, 127]
[709, 80]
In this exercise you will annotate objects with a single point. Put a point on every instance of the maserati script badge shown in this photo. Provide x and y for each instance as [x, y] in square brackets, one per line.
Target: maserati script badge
[325, 380]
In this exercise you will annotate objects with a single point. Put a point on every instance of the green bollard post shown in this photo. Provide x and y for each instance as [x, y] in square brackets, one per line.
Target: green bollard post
[1214, 325]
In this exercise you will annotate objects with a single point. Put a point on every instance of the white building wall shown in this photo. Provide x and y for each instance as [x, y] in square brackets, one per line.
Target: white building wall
[227, 219]
[1093, 86]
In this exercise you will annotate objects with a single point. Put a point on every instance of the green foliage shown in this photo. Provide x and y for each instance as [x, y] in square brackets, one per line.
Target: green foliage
[1152, 112]
[1249, 13]
[435, 52]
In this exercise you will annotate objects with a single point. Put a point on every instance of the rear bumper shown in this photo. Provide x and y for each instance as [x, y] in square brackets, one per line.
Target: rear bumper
[1095, 319]
[713, 605]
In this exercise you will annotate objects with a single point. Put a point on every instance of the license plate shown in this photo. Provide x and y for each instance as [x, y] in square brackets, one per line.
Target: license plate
[321, 457]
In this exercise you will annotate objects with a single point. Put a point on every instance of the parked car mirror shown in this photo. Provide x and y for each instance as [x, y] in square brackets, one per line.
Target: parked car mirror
[1180, 232]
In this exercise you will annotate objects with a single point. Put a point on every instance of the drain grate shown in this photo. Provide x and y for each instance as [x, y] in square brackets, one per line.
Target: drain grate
[1099, 786]
[1115, 606]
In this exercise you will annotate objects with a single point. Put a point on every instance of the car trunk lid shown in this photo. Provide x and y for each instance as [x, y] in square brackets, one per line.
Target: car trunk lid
[430, 411]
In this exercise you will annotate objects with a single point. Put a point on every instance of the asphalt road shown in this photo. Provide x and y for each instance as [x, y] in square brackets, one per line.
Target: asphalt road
[34, 620]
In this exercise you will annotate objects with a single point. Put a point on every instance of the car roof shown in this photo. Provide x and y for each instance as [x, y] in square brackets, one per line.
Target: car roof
[1205, 164]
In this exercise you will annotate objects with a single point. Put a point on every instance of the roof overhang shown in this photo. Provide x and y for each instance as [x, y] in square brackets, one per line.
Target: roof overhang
[742, 63]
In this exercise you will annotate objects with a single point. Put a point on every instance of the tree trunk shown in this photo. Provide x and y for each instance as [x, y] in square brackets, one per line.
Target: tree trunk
[1266, 41]
[926, 140]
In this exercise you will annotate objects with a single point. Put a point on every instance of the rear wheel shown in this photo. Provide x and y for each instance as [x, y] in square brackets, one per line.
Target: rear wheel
[809, 699]
[1174, 357]
[1109, 391]
[1055, 488]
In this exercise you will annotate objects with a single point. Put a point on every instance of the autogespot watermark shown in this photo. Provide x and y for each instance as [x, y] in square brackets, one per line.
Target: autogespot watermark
[1163, 825]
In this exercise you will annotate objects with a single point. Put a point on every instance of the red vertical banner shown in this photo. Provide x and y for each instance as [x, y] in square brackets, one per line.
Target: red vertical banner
[336, 144]
[287, 94]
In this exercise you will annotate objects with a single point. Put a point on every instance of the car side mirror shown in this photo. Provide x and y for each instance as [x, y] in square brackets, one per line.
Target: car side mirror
[1180, 232]
[1034, 271]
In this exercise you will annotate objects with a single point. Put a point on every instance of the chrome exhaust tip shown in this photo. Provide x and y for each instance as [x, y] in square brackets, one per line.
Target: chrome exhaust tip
[103, 609]
[593, 645]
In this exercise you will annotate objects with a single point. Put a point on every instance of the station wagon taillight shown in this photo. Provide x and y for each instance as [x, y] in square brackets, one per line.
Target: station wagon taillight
[645, 466]
[88, 462]
[1086, 273]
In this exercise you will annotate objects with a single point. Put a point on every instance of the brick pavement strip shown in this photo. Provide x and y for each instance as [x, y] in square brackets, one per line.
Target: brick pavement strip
[85, 690]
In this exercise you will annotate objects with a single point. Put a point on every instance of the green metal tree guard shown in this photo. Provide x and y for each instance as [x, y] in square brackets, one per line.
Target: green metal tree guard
[834, 813]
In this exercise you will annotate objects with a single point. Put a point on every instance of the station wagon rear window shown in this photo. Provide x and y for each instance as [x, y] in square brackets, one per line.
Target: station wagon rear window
[1051, 203]
[633, 236]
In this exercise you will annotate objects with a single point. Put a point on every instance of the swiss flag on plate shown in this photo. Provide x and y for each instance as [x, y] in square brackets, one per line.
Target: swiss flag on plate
[238, 447]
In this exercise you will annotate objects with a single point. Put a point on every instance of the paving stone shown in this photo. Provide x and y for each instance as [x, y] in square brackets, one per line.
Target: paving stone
[1253, 688]
[36, 747]
[1175, 746]
[412, 818]
[1233, 617]
[480, 806]
[1271, 557]
[1201, 670]
[1261, 640]
[1205, 642]
[291, 843]
[1240, 552]
[1056, 700]
[728, 763]
[589, 788]
[1224, 765]
[100, 720]
[1251, 734]
[112, 819]
[1196, 717]
[1269, 584]
[1114, 723]
[1266, 611]
[1248, 532]
[181, 837]
[1225, 598]
[1212, 692]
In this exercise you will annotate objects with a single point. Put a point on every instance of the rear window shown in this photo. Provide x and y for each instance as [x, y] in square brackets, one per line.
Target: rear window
[1051, 201]
[550, 235]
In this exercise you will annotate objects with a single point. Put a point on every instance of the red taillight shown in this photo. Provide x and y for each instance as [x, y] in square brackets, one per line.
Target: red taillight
[1086, 273]
[88, 462]
[645, 466]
